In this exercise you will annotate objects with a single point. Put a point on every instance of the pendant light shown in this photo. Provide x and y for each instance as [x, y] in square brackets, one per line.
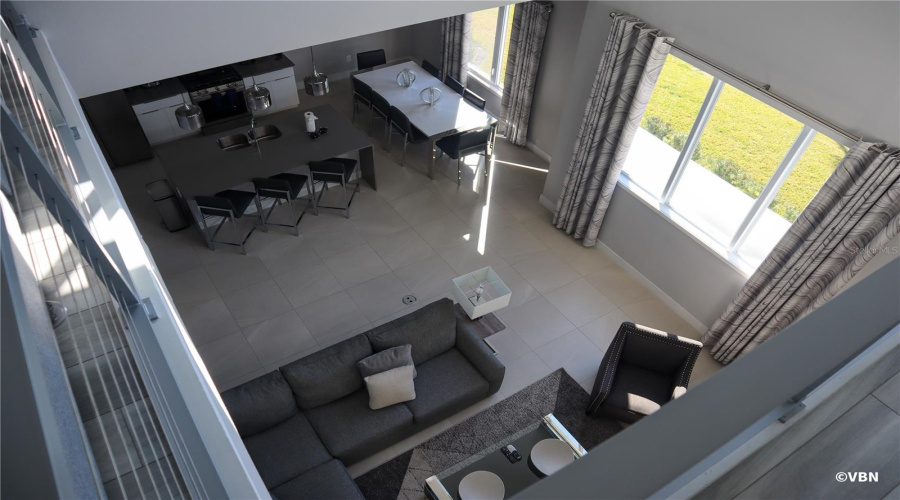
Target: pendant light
[317, 83]
[189, 116]
[258, 98]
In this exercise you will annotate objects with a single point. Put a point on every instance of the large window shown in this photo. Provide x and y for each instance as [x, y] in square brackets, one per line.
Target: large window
[489, 42]
[733, 169]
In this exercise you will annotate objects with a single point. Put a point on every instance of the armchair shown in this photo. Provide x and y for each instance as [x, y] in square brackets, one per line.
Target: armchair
[642, 370]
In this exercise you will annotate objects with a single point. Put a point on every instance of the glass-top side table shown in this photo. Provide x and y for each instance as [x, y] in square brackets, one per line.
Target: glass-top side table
[481, 292]
[515, 476]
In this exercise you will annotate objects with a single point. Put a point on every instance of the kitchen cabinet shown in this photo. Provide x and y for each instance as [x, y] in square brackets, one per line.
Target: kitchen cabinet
[157, 119]
[282, 87]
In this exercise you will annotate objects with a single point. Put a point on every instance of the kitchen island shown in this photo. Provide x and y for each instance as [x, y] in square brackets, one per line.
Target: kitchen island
[196, 166]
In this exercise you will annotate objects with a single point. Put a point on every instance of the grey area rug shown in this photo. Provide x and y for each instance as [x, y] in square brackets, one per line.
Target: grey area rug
[404, 477]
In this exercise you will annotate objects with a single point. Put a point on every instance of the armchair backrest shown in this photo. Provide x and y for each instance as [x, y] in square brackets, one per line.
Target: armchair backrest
[400, 120]
[474, 141]
[656, 350]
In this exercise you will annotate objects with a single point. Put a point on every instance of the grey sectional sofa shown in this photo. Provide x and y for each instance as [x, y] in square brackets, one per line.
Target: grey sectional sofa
[301, 423]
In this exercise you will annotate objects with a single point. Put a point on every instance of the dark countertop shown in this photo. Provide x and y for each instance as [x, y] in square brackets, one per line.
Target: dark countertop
[196, 166]
[166, 88]
[262, 65]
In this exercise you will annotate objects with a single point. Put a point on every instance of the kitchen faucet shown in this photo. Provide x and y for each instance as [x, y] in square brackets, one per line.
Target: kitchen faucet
[252, 125]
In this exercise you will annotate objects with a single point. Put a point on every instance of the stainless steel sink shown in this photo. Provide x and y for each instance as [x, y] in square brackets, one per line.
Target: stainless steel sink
[234, 141]
[264, 132]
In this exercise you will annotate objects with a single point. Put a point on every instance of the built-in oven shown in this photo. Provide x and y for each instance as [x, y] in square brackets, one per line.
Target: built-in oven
[219, 92]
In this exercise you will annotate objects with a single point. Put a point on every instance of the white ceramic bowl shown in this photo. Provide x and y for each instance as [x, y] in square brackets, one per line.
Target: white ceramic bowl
[550, 455]
[481, 485]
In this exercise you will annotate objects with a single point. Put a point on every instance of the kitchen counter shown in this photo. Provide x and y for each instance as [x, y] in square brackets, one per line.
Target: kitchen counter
[166, 88]
[262, 65]
[196, 166]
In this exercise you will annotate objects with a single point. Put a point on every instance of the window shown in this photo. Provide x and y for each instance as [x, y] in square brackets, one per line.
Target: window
[735, 170]
[489, 42]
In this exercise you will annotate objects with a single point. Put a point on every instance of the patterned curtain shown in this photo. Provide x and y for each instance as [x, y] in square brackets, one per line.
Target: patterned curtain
[455, 33]
[855, 213]
[526, 41]
[629, 68]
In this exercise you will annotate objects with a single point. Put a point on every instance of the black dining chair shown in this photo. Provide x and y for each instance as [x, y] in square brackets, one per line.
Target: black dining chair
[228, 205]
[370, 59]
[362, 95]
[454, 84]
[380, 108]
[459, 146]
[339, 171]
[285, 187]
[431, 68]
[475, 99]
[400, 125]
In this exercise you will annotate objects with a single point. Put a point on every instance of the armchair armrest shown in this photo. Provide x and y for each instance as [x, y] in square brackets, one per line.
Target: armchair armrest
[606, 373]
[481, 356]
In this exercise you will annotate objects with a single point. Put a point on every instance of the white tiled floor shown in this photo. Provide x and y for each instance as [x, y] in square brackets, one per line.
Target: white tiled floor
[293, 295]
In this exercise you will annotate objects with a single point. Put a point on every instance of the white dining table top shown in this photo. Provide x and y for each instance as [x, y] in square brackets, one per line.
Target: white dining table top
[451, 113]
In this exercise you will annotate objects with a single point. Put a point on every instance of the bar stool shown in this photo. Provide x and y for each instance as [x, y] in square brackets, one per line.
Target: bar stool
[229, 205]
[285, 187]
[337, 170]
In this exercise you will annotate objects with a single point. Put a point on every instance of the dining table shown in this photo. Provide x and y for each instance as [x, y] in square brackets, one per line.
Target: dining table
[451, 114]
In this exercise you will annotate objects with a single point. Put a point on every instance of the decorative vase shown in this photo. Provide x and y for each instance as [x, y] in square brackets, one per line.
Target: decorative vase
[431, 95]
[406, 78]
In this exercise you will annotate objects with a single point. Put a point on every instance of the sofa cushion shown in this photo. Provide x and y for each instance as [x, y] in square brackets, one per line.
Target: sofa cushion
[328, 481]
[390, 387]
[431, 331]
[638, 391]
[351, 431]
[286, 450]
[260, 404]
[385, 360]
[446, 384]
[329, 374]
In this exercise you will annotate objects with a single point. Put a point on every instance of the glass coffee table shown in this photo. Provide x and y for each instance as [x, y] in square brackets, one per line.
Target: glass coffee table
[515, 476]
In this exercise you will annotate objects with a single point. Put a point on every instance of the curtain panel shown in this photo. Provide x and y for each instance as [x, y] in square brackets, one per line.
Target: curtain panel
[455, 33]
[630, 65]
[526, 42]
[855, 214]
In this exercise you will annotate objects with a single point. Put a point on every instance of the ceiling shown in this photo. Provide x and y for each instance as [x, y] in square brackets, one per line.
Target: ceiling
[105, 46]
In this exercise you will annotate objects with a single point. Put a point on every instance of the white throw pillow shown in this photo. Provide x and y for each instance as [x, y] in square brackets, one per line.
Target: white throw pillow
[391, 387]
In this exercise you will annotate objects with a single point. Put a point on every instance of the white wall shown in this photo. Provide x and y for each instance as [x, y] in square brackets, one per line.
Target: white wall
[839, 59]
[105, 46]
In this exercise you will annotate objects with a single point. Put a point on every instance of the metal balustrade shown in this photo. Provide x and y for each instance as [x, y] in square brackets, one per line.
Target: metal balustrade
[111, 390]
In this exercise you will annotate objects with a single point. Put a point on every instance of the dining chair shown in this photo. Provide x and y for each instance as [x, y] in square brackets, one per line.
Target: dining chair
[362, 94]
[228, 205]
[380, 108]
[339, 171]
[475, 99]
[454, 84]
[431, 68]
[459, 146]
[370, 59]
[285, 187]
[400, 125]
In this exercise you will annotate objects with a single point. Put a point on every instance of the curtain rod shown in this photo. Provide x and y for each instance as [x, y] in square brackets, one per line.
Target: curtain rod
[764, 89]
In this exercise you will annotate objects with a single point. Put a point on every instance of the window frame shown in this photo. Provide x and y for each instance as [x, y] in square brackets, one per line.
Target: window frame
[492, 81]
[729, 250]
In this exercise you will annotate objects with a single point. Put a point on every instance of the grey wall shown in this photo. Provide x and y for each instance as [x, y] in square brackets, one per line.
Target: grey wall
[105, 46]
[557, 59]
[427, 41]
[331, 57]
[839, 59]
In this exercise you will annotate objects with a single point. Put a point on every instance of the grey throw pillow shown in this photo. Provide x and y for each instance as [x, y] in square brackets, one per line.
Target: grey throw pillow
[391, 387]
[387, 359]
